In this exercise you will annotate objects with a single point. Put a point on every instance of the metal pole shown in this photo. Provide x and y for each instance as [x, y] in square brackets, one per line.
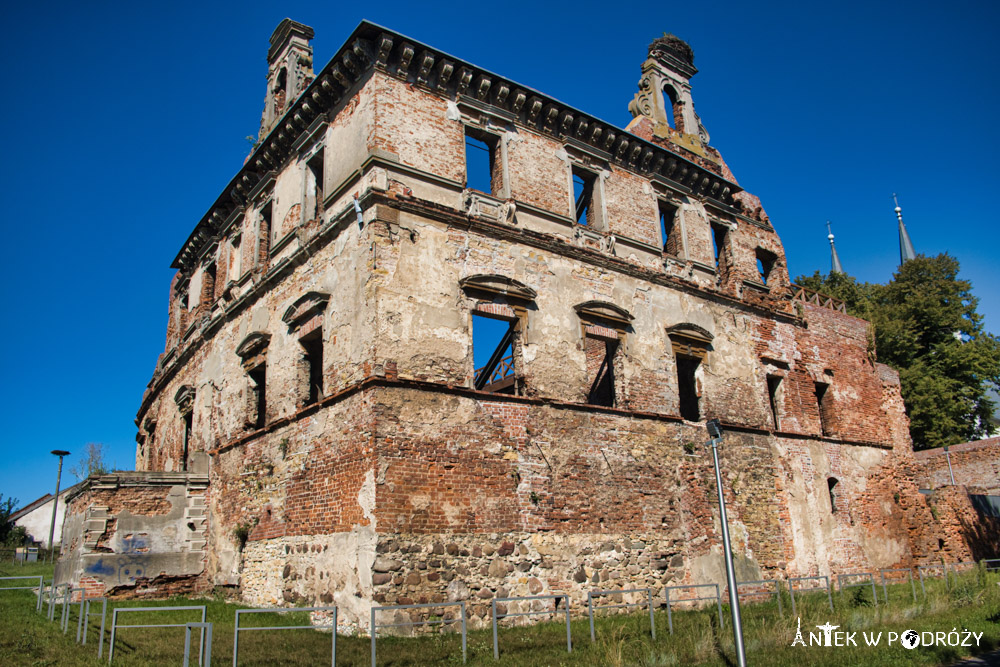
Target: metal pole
[55, 505]
[734, 601]
[950, 471]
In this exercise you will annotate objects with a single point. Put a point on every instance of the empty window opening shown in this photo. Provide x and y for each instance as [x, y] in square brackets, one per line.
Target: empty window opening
[188, 431]
[687, 387]
[208, 286]
[235, 257]
[765, 264]
[601, 370]
[493, 354]
[668, 228]
[832, 484]
[265, 233]
[258, 383]
[312, 355]
[583, 193]
[482, 167]
[669, 102]
[823, 403]
[315, 167]
[719, 234]
[774, 396]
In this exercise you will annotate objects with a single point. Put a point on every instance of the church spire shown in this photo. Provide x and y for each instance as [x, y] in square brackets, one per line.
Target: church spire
[905, 245]
[835, 266]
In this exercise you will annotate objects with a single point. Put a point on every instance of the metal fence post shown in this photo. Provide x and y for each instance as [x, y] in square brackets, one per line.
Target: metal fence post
[569, 637]
[496, 643]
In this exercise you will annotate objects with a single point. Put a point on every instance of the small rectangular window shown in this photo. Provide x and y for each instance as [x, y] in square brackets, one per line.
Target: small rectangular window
[765, 264]
[315, 166]
[493, 354]
[668, 228]
[823, 404]
[188, 432]
[601, 370]
[482, 166]
[265, 234]
[719, 234]
[208, 287]
[235, 258]
[312, 356]
[258, 379]
[583, 193]
[687, 387]
[774, 397]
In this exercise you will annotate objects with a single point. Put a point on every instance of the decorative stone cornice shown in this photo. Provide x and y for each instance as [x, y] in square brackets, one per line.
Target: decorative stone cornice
[184, 398]
[305, 307]
[496, 284]
[691, 332]
[371, 47]
[253, 345]
[602, 310]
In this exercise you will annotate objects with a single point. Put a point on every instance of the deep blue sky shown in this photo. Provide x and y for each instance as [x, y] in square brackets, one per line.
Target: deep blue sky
[124, 120]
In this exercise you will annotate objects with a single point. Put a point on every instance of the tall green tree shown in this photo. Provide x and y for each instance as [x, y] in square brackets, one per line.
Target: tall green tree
[927, 326]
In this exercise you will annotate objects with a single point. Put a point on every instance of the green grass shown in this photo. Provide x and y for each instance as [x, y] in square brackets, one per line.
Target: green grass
[973, 603]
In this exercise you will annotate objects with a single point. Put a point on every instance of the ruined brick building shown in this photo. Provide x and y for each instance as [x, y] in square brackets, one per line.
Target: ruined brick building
[318, 430]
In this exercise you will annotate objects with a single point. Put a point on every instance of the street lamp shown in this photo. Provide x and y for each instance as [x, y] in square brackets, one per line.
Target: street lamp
[55, 504]
[715, 433]
[950, 471]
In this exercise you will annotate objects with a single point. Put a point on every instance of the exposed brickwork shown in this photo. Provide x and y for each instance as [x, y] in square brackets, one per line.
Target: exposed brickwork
[399, 482]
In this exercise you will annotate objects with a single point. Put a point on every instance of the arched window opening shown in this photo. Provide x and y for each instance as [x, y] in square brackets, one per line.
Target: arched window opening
[833, 483]
[669, 104]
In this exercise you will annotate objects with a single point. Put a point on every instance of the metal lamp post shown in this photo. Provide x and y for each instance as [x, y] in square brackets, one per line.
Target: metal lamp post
[950, 471]
[715, 432]
[55, 505]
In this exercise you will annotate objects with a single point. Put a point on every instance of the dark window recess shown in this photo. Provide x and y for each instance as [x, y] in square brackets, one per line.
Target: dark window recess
[765, 264]
[312, 346]
[668, 228]
[265, 233]
[719, 233]
[832, 484]
[316, 170]
[208, 287]
[482, 168]
[601, 370]
[259, 378]
[823, 403]
[493, 354]
[687, 387]
[669, 102]
[188, 431]
[773, 395]
[583, 192]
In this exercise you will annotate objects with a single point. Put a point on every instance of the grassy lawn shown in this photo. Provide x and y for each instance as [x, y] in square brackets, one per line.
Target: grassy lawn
[972, 603]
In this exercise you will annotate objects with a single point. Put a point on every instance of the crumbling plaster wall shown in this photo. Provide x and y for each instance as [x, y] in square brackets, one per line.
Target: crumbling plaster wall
[136, 534]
